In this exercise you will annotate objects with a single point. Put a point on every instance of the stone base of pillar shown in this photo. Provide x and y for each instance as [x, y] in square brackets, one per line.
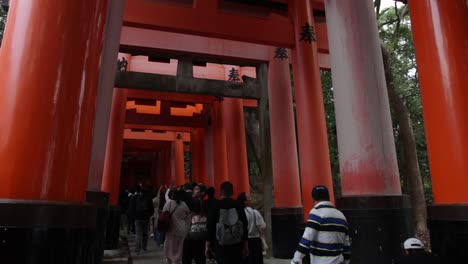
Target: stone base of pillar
[113, 228]
[287, 225]
[448, 225]
[378, 226]
[101, 201]
[37, 232]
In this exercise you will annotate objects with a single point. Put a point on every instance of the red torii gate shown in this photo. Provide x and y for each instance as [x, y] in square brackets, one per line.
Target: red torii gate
[52, 91]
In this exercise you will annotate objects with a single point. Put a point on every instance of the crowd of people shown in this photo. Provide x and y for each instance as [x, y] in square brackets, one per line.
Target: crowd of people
[193, 225]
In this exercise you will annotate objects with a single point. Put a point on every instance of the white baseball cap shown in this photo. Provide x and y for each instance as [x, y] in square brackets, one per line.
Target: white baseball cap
[413, 243]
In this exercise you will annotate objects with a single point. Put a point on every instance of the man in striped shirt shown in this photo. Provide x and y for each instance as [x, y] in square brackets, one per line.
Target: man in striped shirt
[326, 234]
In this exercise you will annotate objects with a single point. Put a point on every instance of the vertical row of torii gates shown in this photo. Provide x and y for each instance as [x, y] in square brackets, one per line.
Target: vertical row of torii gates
[187, 69]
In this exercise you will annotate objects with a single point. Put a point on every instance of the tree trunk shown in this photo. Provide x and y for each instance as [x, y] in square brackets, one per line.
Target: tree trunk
[418, 202]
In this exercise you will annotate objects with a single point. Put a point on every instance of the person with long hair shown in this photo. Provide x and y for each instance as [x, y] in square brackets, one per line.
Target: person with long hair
[178, 227]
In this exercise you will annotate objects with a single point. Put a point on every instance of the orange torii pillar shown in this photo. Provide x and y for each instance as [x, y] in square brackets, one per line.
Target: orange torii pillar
[209, 157]
[113, 164]
[179, 174]
[220, 162]
[154, 170]
[233, 118]
[440, 30]
[311, 127]
[197, 150]
[164, 165]
[108, 68]
[287, 211]
[370, 181]
[47, 96]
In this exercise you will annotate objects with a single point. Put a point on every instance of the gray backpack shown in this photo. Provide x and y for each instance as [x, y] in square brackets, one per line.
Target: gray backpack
[229, 229]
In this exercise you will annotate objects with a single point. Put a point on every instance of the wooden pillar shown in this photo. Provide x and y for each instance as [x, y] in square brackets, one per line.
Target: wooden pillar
[166, 165]
[47, 96]
[209, 156]
[369, 170]
[233, 118]
[286, 181]
[198, 155]
[311, 127]
[104, 94]
[112, 164]
[287, 189]
[220, 163]
[179, 175]
[43, 89]
[441, 43]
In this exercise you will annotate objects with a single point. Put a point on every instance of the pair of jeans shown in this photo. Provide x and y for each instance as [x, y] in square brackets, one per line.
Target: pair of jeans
[141, 227]
[159, 237]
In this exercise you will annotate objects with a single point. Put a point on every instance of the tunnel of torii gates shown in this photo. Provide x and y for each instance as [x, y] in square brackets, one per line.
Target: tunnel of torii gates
[186, 70]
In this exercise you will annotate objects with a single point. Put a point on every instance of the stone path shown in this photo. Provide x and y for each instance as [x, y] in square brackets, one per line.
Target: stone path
[156, 255]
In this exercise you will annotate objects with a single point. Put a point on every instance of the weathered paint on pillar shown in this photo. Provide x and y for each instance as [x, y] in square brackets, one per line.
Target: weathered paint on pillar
[440, 30]
[220, 163]
[311, 127]
[114, 146]
[233, 117]
[104, 94]
[365, 135]
[286, 185]
[50, 52]
[179, 162]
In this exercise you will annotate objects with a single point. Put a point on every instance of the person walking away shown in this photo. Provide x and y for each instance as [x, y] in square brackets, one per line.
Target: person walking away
[416, 254]
[178, 227]
[130, 213]
[227, 226]
[256, 226]
[124, 201]
[142, 209]
[194, 244]
[326, 234]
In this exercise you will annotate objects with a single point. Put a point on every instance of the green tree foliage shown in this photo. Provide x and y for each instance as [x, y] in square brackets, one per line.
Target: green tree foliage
[397, 37]
[2, 23]
[329, 105]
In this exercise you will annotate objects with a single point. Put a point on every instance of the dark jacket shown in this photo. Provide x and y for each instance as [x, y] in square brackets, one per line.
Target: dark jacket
[418, 258]
[141, 207]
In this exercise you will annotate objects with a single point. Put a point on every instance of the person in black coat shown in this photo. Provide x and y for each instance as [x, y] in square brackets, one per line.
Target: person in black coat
[141, 208]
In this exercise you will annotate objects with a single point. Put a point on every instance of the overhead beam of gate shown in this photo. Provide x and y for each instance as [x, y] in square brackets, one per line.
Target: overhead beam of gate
[140, 41]
[159, 128]
[150, 135]
[157, 120]
[205, 19]
[170, 42]
[169, 96]
[169, 83]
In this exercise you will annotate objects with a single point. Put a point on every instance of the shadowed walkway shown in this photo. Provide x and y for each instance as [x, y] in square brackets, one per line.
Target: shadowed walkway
[156, 254]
